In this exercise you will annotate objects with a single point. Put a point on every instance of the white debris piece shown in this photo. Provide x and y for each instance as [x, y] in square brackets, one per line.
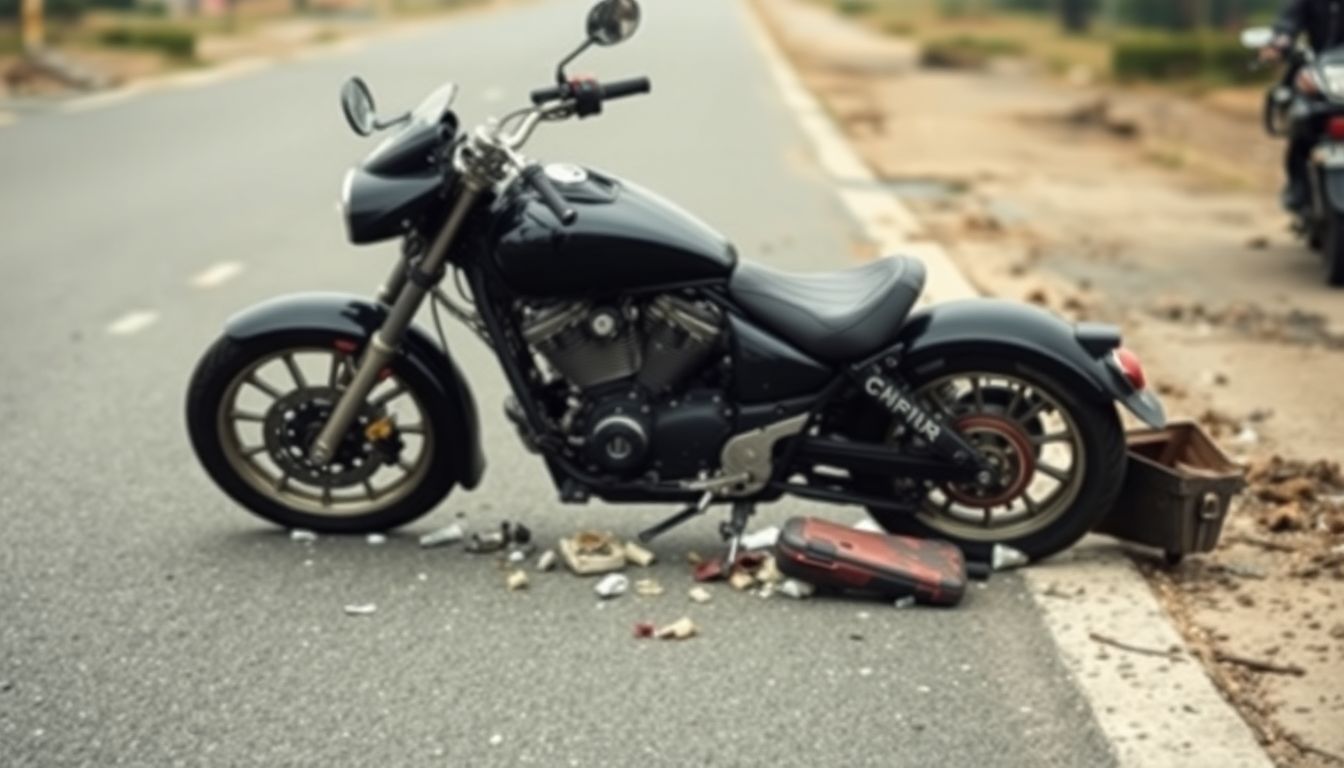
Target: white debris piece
[762, 539]
[678, 630]
[1005, 558]
[360, 609]
[612, 585]
[547, 560]
[638, 555]
[450, 534]
[868, 524]
[769, 572]
[1247, 436]
[648, 588]
[497, 739]
[517, 556]
[516, 580]
[798, 590]
[302, 534]
[905, 602]
[865, 671]
[699, 595]
[375, 539]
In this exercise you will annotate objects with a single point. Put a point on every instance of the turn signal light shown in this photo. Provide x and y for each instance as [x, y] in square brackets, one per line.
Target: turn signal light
[1129, 365]
[1335, 127]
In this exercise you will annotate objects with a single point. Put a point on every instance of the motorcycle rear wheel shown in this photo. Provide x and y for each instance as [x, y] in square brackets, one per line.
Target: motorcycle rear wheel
[1060, 458]
[1332, 250]
[254, 407]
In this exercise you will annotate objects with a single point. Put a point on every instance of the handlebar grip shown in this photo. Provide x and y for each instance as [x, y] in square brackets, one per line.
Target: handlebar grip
[543, 95]
[537, 179]
[632, 87]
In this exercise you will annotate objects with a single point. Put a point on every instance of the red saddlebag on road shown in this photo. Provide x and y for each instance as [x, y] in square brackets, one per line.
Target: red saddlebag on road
[831, 555]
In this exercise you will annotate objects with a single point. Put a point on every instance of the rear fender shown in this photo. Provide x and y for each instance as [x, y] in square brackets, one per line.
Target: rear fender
[1030, 334]
[345, 315]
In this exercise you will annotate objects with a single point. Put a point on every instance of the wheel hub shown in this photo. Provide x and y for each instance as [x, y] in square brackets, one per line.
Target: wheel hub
[1008, 451]
[293, 423]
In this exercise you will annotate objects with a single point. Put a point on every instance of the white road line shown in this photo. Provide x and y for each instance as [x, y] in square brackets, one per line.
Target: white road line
[1153, 711]
[217, 274]
[132, 322]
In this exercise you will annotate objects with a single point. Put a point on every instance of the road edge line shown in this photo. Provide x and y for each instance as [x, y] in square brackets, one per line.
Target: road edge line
[1140, 718]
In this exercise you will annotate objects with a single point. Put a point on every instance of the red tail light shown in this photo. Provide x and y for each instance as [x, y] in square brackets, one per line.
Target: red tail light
[1129, 365]
[1335, 127]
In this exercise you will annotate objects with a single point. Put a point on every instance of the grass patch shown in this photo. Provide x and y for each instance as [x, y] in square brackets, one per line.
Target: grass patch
[1203, 57]
[173, 41]
[968, 51]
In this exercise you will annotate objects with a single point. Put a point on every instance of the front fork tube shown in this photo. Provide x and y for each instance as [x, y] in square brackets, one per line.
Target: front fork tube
[899, 401]
[409, 285]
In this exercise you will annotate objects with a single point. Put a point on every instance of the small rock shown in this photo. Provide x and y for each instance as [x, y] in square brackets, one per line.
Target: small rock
[517, 556]
[516, 580]
[1258, 243]
[638, 555]
[864, 615]
[1246, 436]
[1337, 631]
[699, 595]
[302, 534]
[694, 558]
[1285, 517]
[447, 535]
[547, 560]
[360, 609]
[678, 630]
[798, 590]
[865, 671]
[648, 588]
[496, 740]
[612, 585]
[375, 539]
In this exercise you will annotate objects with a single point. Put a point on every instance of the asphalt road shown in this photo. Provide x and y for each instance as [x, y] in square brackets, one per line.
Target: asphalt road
[146, 620]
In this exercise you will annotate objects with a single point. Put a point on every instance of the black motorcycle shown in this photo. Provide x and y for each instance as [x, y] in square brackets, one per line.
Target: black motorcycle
[1307, 104]
[648, 363]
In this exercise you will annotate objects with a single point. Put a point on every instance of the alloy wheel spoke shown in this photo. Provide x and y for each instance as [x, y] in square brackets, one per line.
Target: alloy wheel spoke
[256, 381]
[254, 450]
[412, 429]
[246, 416]
[294, 372]
[1053, 437]
[368, 489]
[389, 396]
[1061, 475]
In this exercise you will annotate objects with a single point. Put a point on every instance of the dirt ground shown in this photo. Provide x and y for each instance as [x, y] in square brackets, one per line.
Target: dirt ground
[1159, 214]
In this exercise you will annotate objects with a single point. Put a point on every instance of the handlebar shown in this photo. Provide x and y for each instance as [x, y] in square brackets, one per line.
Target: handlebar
[592, 92]
[536, 177]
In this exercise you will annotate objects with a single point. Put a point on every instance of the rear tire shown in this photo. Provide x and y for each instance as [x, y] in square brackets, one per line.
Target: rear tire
[1333, 249]
[215, 383]
[1098, 445]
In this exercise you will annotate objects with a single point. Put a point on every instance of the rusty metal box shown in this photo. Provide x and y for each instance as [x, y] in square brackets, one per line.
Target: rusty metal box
[1178, 489]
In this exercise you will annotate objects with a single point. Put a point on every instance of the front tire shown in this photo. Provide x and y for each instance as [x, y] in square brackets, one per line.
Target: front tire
[254, 406]
[1061, 458]
[1333, 249]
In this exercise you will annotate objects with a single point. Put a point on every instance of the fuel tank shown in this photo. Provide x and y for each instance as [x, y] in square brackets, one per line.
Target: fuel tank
[625, 239]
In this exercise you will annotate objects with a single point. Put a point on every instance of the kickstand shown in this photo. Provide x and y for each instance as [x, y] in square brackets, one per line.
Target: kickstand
[733, 528]
[658, 529]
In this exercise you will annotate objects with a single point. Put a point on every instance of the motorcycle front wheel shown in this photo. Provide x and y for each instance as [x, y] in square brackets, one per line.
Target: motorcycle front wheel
[255, 407]
[1332, 248]
[1059, 459]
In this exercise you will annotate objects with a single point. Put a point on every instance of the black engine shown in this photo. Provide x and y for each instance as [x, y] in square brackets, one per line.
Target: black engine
[640, 395]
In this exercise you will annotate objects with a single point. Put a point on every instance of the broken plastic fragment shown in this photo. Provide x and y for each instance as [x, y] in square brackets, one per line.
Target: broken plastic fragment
[694, 558]
[762, 539]
[870, 525]
[447, 535]
[482, 543]
[648, 588]
[741, 580]
[711, 570]
[905, 602]
[547, 560]
[1004, 558]
[699, 595]
[679, 630]
[375, 539]
[798, 590]
[638, 555]
[612, 585]
[769, 573]
[591, 552]
[360, 609]
[517, 556]
[516, 580]
[644, 630]
[302, 534]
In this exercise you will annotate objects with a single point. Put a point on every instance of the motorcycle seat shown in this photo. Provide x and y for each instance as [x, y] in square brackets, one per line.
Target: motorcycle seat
[836, 317]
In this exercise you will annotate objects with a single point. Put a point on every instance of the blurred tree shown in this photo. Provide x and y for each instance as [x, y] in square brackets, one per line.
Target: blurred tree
[1076, 15]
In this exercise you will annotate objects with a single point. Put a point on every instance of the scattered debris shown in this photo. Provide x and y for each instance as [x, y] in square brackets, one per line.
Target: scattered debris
[699, 595]
[648, 588]
[1173, 653]
[516, 580]
[694, 558]
[302, 534]
[518, 534]
[484, 543]
[450, 534]
[360, 609]
[547, 560]
[496, 740]
[645, 630]
[612, 585]
[798, 590]
[905, 602]
[768, 573]
[638, 555]
[678, 630]
[741, 580]
[1259, 665]
[591, 552]
[376, 539]
[517, 556]
[709, 570]
[1004, 558]
[762, 539]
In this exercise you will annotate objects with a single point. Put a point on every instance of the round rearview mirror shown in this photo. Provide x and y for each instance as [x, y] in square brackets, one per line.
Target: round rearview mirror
[357, 103]
[1257, 37]
[613, 21]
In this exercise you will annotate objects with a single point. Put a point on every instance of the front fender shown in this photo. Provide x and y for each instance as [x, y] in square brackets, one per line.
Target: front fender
[1031, 334]
[345, 315]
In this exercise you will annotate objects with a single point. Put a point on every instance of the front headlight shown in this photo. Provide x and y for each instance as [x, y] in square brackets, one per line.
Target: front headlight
[1331, 77]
